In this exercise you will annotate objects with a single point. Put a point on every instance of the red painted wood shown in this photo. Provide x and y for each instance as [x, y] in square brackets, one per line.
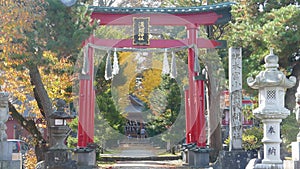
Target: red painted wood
[154, 43]
[204, 18]
[86, 106]
[201, 122]
[187, 117]
[192, 34]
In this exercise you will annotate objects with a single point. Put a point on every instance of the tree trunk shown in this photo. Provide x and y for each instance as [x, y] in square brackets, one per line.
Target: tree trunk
[41, 92]
[214, 81]
[29, 125]
[214, 129]
[45, 106]
[290, 102]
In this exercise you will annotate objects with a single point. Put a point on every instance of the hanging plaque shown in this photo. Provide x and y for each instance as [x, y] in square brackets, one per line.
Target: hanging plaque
[141, 31]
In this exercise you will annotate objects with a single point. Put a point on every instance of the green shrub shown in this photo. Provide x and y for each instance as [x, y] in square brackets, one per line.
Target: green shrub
[252, 138]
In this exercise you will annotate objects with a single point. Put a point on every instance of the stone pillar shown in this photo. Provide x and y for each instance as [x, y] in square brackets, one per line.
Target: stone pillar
[3, 115]
[5, 147]
[296, 145]
[298, 109]
[235, 89]
[271, 84]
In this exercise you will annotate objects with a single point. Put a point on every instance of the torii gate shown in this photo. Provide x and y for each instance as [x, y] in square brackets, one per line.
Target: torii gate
[191, 18]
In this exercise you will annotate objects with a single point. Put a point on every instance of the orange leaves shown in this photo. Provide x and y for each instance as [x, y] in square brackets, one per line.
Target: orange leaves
[16, 18]
[57, 83]
[15, 80]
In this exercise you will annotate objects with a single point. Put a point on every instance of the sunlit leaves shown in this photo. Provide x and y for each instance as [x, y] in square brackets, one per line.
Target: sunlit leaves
[57, 77]
[18, 18]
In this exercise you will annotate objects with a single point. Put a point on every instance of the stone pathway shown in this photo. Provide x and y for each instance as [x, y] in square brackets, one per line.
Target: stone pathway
[147, 164]
[140, 150]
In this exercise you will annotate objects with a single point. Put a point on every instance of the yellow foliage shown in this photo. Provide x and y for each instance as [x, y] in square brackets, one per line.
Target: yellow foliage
[151, 80]
[128, 59]
[17, 82]
[31, 159]
[17, 17]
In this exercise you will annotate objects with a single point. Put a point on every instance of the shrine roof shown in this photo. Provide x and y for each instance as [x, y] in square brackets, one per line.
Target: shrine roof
[219, 8]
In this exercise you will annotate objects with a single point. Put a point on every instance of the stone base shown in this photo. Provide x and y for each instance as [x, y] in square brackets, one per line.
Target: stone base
[6, 151]
[296, 151]
[268, 166]
[201, 159]
[87, 167]
[190, 158]
[197, 157]
[59, 159]
[9, 164]
[290, 164]
[236, 159]
[85, 157]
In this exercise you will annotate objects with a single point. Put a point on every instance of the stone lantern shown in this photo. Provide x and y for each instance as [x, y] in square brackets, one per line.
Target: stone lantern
[59, 156]
[271, 84]
[59, 128]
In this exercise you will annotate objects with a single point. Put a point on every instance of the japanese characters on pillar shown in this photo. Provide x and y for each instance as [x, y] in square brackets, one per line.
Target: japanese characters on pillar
[235, 89]
[141, 31]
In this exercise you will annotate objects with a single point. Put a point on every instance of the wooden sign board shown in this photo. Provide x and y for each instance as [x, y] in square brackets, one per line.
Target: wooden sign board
[141, 31]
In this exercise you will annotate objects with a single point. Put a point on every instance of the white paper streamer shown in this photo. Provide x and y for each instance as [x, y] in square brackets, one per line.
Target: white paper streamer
[85, 65]
[197, 67]
[115, 64]
[108, 69]
[166, 68]
[173, 73]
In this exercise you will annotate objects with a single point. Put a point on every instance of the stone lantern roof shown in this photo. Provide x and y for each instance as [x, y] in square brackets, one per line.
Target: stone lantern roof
[271, 77]
[60, 112]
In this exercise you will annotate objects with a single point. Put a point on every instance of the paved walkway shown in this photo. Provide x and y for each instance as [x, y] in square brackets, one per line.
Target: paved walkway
[140, 150]
[147, 165]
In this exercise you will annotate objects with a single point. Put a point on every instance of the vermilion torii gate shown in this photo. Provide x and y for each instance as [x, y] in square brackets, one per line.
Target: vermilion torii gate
[191, 18]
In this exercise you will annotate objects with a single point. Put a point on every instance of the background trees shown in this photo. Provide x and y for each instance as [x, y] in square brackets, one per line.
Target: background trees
[39, 39]
[258, 26]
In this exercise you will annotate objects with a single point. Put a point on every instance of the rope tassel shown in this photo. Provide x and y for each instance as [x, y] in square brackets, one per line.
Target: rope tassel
[173, 73]
[115, 70]
[108, 69]
[166, 68]
[86, 65]
[197, 67]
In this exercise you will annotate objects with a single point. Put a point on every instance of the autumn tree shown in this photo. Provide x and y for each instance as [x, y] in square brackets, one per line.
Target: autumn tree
[259, 26]
[39, 41]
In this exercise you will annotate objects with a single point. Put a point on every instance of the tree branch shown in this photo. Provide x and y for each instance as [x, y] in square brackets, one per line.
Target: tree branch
[29, 125]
